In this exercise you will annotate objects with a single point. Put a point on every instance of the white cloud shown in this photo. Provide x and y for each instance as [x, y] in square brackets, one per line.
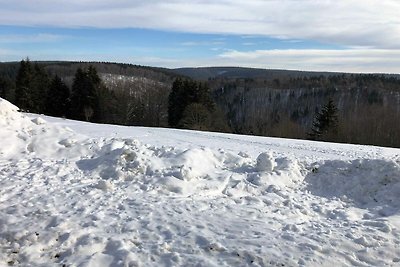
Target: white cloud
[202, 43]
[31, 38]
[371, 23]
[351, 60]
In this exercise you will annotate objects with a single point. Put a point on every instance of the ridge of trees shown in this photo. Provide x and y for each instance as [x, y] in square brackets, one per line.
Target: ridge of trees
[368, 106]
[50, 89]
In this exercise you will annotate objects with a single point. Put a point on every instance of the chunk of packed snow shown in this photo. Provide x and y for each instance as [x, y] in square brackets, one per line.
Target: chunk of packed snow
[265, 162]
[38, 121]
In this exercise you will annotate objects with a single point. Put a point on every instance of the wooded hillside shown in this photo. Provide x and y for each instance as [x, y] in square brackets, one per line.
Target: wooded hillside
[245, 101]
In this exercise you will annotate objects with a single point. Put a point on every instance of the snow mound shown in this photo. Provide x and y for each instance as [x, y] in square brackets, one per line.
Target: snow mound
[148, 168]
[196, 171]
[167, 170]
[9, 115]
[7, 108]
[368, 183]
[35, 137]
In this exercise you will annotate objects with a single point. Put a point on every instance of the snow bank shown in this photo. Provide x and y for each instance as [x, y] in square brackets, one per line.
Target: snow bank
[197, 171]
[194, 171]
[7, 110]
[367, 183]
[21, 135]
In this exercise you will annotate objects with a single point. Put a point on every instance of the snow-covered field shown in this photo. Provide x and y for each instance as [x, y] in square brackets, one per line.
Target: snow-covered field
[81, 194]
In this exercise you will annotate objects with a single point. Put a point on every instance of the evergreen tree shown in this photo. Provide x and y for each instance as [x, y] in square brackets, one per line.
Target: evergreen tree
[7, 88]
[204, 97]
[108, 105]
[3, 89]
[325, 125]
[175, 103]
[23, 90]
[185, 93]
[84, 98]
[39, 86]
[57, 100]
[31, 87]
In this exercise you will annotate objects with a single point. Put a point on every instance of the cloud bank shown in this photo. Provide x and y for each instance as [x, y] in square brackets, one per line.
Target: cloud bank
[351, 60]
[368, 23]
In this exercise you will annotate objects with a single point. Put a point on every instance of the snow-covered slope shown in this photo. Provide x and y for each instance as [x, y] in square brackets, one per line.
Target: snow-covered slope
[81, 194]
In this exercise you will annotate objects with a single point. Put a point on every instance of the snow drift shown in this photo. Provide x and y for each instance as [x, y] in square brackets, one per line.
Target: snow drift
[367, 183]
[35, 138]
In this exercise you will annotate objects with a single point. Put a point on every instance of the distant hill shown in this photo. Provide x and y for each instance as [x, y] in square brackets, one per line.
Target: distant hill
[68, 69]
[206, 73]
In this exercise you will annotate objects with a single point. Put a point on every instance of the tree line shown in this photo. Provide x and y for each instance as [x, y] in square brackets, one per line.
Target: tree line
[366, 106]
[126, 100]
[37, 92]
[341, 108]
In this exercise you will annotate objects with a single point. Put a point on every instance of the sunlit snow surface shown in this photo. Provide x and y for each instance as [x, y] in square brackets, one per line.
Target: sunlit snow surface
[81, 194]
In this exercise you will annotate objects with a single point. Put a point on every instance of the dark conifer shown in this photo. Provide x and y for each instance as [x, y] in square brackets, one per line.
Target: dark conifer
[57, 100]
[175, 103]
[23, 90]
[185, 93]
[7, 89]
[39, 86]
[31, 87]
[84, 98]
[325, 125]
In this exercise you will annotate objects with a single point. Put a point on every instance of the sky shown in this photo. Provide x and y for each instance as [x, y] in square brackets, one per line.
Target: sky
[314, 35]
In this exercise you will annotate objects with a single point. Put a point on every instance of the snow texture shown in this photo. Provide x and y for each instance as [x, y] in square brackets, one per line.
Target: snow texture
[81, 194]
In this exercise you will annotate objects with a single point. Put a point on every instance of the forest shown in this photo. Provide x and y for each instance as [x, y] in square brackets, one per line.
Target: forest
[338, 107]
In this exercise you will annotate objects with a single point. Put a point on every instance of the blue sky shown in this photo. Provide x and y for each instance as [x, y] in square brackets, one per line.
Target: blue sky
[355, 36]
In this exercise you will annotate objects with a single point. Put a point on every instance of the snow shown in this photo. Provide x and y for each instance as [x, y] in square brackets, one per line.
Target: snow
[82, 194]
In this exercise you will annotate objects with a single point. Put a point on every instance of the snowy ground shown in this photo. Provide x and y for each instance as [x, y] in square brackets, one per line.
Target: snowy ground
[81, 194]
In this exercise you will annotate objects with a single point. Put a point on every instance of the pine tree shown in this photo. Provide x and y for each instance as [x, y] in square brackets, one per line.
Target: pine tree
[7, 89]
[31, 87]
[3, 89]
[84, 98]
[325, 125]
[57, 99]
[204, 97]
[23, 90]
[39, 86]
[175, 103]
[185, 93]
